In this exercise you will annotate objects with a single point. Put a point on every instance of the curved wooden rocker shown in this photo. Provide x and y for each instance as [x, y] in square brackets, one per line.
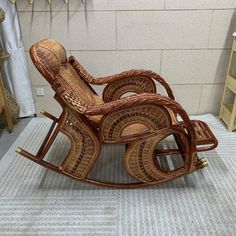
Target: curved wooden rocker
[140, 122]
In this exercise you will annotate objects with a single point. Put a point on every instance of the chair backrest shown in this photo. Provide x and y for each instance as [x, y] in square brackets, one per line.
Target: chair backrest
[51, 60]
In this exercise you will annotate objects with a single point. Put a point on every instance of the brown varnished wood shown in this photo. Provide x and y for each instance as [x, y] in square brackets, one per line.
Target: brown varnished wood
[200, 164]
[141, 121]
[45, 141]
[121, 77]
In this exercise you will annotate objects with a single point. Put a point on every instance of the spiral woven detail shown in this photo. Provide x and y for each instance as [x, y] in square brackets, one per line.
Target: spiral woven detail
[115, 90]
[142, 164]
[85, 147]
[139, 159]
[70, 126]
[153, 117]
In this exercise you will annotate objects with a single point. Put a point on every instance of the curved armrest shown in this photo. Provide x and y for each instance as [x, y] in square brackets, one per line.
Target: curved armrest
[142, 99]
[137, 73]
[149, 110]
[124, 75]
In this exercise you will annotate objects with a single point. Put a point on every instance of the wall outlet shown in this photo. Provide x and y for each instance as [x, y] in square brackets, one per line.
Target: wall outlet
[40, 92]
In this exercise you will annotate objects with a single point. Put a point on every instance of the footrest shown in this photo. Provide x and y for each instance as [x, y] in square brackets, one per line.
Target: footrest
[204, 136]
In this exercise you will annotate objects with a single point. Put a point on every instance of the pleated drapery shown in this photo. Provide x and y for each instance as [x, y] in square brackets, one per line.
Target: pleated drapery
[15, 70]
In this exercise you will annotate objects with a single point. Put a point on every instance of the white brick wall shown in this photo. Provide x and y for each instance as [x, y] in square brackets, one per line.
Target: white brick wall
[186, 41]
[163, 29]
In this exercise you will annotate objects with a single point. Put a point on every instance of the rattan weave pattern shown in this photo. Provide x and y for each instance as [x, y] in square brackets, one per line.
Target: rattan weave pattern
[140, 122]
[151, 116]
[85, 146]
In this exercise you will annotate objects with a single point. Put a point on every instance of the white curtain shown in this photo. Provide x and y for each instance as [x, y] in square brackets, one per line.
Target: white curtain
[15, 71]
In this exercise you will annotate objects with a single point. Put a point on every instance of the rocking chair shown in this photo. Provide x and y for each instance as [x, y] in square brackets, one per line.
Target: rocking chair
[140, 121]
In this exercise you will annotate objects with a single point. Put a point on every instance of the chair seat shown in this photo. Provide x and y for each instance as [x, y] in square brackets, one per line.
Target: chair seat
[96, 119]
[134, 129]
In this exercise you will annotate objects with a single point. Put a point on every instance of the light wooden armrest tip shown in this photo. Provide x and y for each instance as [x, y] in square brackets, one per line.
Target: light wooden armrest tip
[42, 112]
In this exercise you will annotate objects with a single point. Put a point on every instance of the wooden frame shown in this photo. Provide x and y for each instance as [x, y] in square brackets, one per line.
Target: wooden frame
[140, 122]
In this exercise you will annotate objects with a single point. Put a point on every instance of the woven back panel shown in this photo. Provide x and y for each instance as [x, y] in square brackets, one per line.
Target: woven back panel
[51, 60]
[79, 87]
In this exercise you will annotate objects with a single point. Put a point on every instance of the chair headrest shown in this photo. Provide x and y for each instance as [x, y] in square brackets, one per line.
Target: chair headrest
[48, 55]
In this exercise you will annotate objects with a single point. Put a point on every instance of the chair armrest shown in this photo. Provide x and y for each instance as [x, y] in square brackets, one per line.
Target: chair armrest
[147, 74]
[120, 117]
[138, 81]
[143, 99]
[80, 70]
[143, 74]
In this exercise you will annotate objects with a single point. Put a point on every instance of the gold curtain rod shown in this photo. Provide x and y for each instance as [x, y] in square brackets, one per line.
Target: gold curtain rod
[49, 1]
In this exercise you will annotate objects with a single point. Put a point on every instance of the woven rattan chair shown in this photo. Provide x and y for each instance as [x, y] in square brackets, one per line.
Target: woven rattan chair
[141, 122]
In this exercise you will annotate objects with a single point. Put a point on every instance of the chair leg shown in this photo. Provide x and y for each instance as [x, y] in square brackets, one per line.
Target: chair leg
[39, 153]
[139, 159]
[49, 143]
[96, 182]
[180, 144]
[50, 137]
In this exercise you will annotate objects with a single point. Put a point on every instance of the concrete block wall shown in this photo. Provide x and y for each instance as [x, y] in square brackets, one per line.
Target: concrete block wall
[188, 42]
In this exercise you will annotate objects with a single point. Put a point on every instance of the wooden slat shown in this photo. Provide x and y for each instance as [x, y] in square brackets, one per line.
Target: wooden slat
[226, 114]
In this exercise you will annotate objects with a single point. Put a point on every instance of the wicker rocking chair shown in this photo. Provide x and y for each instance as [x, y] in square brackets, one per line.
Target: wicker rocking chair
[139, 122]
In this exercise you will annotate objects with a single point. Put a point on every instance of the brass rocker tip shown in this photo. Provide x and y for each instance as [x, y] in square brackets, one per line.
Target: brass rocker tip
[18, 150]
[204, 164]
[203, 159]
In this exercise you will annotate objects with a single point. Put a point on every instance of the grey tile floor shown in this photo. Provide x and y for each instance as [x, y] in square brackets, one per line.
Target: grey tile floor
[7, 139]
